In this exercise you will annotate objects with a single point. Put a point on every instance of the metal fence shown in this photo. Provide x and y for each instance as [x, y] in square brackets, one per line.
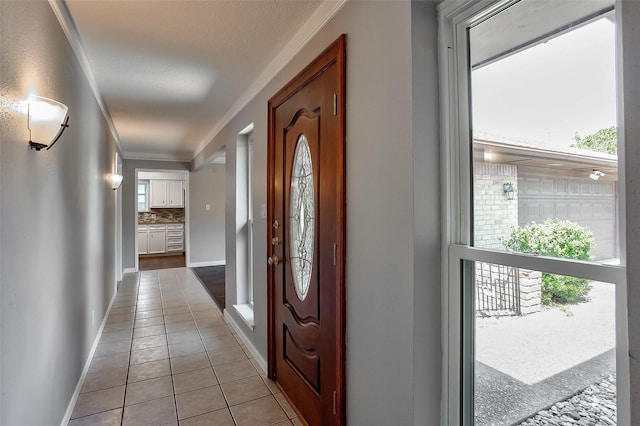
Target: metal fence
[497, 289]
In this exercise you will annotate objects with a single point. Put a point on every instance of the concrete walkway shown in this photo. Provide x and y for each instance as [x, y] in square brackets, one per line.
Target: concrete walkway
[525, 364]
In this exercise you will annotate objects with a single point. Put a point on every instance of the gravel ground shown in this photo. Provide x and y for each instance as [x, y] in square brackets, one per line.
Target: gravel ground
[594, 406]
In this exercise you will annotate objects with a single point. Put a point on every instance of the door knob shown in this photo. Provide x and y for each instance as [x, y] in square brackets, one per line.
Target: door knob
[274, 260]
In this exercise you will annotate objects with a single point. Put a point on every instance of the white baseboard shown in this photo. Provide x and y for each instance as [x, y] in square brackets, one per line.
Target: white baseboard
[256, 355]
[76, 393]
[212, 263]
[129, 270]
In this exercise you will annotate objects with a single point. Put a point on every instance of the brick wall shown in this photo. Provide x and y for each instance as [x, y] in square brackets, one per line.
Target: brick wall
[494, 215]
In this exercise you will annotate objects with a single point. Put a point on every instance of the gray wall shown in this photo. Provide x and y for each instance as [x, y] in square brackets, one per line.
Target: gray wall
[58, 222]
[207, 186]
[393, 351]
[129, 208]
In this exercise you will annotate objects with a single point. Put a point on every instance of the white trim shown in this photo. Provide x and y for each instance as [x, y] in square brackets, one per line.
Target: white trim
[130, 270]
[71, 32]
[87, 364]
[245, 311]
[154, 156]
[311, 27]
[254, 352]
[210, 263]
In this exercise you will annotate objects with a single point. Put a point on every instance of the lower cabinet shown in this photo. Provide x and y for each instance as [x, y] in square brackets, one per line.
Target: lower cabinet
[157, 239]
[143, 239]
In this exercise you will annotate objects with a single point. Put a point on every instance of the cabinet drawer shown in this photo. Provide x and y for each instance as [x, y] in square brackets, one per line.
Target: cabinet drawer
[174, 233]
[143, 228]
[176, 247]
[175, 226]
[174, 240]
[157, 228]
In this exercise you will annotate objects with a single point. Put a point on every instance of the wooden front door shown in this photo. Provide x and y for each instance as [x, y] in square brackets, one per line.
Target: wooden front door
[306, 236]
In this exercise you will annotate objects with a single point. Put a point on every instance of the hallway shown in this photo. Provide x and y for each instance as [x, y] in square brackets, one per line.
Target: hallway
[167, 357]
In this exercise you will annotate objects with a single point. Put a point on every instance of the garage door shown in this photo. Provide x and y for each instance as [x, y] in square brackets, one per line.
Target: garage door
[589, 203]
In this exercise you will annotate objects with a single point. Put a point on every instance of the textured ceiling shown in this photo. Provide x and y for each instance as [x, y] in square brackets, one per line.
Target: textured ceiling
[169, 71]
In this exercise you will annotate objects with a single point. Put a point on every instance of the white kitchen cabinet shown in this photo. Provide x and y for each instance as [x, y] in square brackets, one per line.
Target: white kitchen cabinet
[157, 239]
[175, 193]
[166, 193]
[175, 237]
[143, 239]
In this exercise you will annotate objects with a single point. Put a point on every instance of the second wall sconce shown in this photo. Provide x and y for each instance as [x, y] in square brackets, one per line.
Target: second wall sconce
[46, 120]
[116, 181]
[509, 190]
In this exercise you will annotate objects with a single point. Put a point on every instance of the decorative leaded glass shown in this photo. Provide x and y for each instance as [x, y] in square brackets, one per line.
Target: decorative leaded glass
[301, 216]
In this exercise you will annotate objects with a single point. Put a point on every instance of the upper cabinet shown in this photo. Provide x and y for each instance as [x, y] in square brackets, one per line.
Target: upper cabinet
[166, 193]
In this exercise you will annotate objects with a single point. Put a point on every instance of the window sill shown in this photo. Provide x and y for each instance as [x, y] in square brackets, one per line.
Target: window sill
[246, 313]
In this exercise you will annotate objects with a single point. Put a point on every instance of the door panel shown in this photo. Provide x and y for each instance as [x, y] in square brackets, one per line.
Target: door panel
[306, 239]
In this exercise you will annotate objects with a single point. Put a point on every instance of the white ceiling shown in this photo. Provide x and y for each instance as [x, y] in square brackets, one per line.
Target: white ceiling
[171, 71]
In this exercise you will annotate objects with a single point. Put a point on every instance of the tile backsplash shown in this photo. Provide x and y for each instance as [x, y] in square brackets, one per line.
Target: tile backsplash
[161, 216]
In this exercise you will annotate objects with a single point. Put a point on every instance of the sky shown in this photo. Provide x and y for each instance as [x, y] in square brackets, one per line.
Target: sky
[551, 91]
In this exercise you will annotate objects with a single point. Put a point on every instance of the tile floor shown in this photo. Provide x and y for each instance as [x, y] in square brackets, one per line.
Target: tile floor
[167, 357]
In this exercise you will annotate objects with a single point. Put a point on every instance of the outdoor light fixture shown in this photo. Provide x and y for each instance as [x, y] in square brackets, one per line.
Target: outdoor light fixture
[596, 174]
[116, 181]
[509, 190]
[46, 120]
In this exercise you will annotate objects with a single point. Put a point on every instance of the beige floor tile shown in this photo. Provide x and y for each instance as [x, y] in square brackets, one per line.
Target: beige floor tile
[107, 418]
[147, 322]
[148, 355]
[209, 322]
[183, 336]
[116, 336]
[177, 310]
[218, 418]
[244, 390]
[210, 313]
[235, 370]
[195, 379]
[174, 303]
[285, 423]
[215, 343]
[149, 314]
[199, 401]
[178, 318]
[118, 326]
[120, 317]
[215, 331]
[98, 401]
[157, 412]
[288, 409]
[175, 327]
[149, 342]
[148, 390]
[144, 306]
[122, 310]
[195, 307]
[104, 379]
[186, 348]
[260, 412]
[149, 370]
[225, 355]
[111, 348]
[153, 330]
[182, 364]
[297, 422]
[108, 362]
[270, 384]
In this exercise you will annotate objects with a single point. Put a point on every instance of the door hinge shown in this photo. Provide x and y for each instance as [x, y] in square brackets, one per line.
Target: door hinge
[334, 403]
[335, 104]
[335, 255]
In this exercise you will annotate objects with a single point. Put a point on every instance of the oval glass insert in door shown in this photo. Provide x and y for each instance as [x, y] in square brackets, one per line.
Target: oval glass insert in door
[301, 216]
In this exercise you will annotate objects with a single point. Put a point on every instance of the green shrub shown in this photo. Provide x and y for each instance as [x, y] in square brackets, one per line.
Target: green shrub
[556, 238]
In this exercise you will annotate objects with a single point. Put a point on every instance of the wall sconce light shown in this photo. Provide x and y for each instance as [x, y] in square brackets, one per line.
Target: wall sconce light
[596, 174]
[509, 190]
[116, 181]
[46, 120]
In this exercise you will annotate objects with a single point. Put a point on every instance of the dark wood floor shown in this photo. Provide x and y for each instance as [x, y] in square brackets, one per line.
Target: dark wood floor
[148, 263]
[212, 277]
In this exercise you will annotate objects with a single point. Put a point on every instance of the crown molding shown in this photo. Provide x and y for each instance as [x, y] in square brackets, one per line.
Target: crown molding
[303, 36]
[63, 15]
[153, 156]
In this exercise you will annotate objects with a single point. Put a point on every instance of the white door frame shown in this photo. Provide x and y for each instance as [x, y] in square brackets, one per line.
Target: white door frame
[187, 251]
[455, 16]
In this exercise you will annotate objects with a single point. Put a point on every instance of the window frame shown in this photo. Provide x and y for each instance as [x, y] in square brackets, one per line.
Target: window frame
[455, 17]
[146, 195]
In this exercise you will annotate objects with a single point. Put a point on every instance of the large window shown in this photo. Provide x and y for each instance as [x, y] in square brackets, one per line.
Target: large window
[534, 281]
